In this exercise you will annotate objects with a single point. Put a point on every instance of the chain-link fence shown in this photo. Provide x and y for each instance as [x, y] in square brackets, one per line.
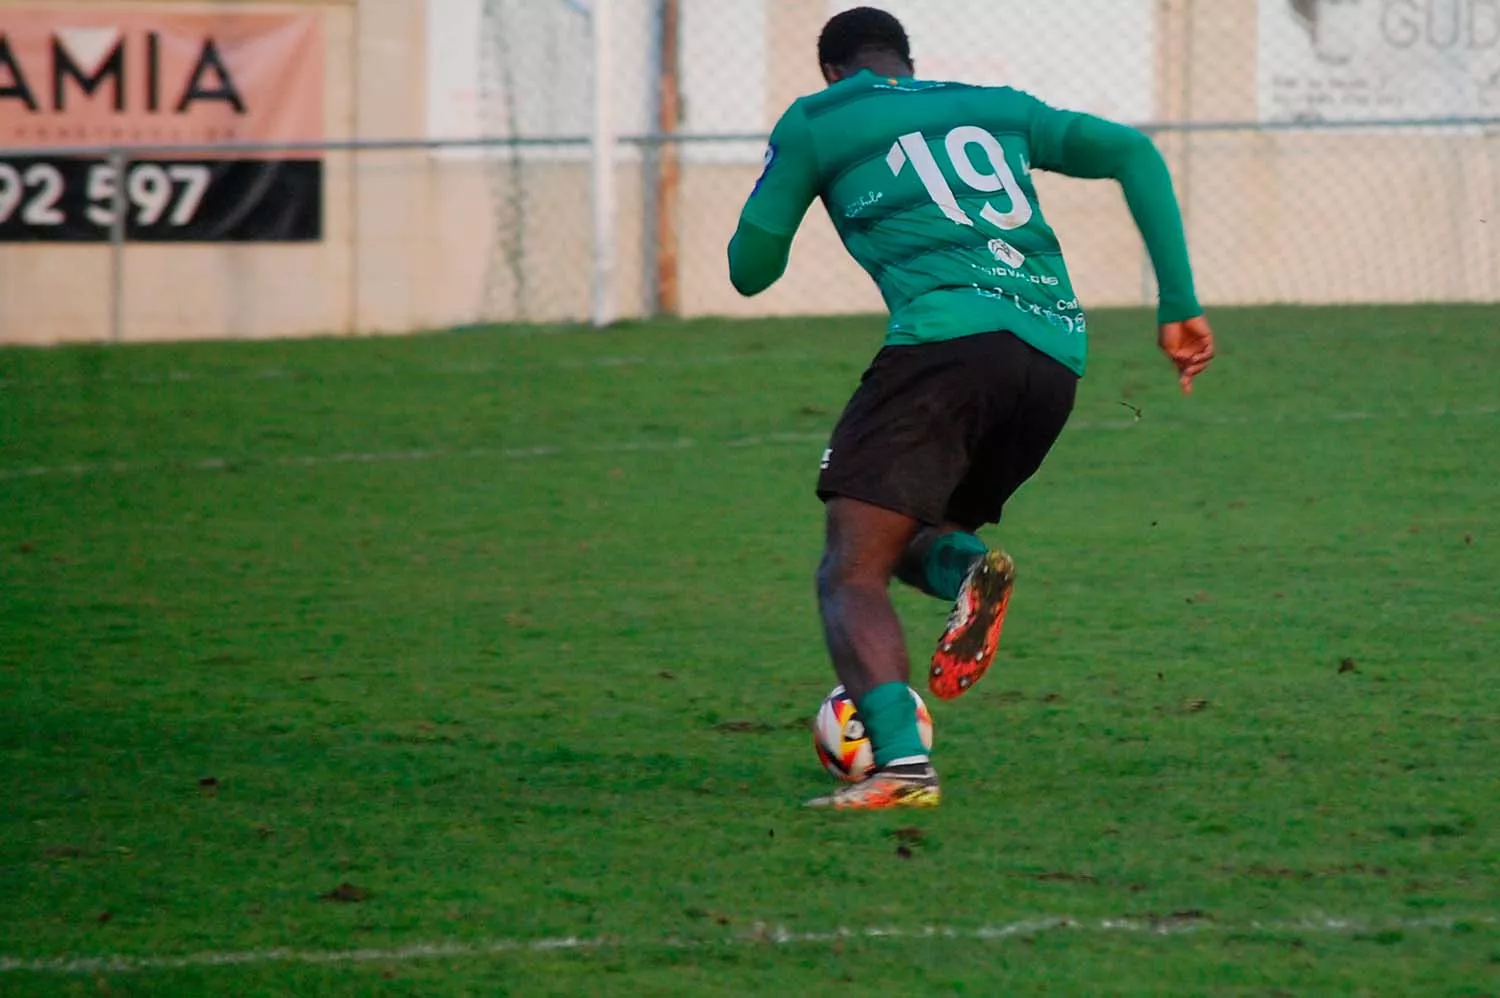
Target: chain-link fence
[1325, 151]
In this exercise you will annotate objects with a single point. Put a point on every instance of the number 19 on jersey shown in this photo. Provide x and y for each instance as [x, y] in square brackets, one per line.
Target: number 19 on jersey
[912, 148]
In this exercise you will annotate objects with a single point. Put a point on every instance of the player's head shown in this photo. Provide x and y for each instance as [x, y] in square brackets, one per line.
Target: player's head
[863, 38]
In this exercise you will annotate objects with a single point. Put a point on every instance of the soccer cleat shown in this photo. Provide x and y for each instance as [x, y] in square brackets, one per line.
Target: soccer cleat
[968, 644]
[901, 786]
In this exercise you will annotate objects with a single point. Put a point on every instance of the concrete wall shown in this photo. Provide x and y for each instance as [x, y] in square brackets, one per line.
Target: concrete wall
[416, 240]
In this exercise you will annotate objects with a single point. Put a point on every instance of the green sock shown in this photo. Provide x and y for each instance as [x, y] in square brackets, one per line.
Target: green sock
[890, 716]
[948, 561]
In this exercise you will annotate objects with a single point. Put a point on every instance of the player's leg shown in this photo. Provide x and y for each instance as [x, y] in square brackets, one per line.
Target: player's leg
[864, 543]
[861, 627]
[892, 464]
[971, 636]
[868, 649]
[1010, 453]
[951, 563]
[938, 559]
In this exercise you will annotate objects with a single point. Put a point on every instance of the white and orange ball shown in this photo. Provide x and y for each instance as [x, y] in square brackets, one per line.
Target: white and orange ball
[841, 741]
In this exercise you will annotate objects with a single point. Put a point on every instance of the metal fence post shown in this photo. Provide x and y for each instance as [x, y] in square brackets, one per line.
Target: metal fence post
[118, 162]
[602, 144]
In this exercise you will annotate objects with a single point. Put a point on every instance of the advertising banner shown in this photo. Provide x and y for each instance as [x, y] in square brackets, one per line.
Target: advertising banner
[1362, 60]
[159, 75]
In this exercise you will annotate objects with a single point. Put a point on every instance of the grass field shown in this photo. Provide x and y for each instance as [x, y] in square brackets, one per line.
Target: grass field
[479, 663]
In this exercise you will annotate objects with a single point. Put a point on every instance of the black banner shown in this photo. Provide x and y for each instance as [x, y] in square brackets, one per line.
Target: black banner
[70, 200]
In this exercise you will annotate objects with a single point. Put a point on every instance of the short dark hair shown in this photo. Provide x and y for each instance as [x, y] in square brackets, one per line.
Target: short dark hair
[848, 35]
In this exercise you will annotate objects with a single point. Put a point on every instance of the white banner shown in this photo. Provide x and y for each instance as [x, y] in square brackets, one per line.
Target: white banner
[1355, 60]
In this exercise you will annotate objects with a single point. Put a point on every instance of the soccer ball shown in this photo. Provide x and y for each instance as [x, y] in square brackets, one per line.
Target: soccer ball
[840, 740]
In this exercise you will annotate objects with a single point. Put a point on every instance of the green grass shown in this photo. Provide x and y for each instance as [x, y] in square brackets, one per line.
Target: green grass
[515, 632]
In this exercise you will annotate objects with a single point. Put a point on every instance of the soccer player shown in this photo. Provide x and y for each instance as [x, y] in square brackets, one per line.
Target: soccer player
[929, 186]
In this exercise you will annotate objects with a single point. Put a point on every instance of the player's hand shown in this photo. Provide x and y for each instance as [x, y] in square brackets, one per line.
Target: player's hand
[1190, 346]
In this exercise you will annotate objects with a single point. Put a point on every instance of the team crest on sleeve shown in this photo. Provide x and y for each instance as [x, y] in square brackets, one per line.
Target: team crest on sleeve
[768, 160]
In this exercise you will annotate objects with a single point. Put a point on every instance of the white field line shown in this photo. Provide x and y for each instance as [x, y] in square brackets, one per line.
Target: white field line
[456, 369]
[636, 446]
[376, 457]
[759, 935]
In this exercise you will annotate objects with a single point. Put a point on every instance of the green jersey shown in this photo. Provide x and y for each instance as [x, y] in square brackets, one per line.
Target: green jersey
[929, 186]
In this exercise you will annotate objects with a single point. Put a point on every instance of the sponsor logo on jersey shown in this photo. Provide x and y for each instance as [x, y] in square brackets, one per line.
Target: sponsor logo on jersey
[1019, 275]
[1071, 323]
[827, 459]
[1005, 253]
[865, 201]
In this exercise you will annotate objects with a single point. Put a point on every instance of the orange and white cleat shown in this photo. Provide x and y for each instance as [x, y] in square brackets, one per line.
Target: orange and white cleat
[913, 785]
[968, 644]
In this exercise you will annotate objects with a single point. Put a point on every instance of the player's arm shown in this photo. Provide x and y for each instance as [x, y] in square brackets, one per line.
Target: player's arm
[1095, 148]
[1081, 145]
[787, 186]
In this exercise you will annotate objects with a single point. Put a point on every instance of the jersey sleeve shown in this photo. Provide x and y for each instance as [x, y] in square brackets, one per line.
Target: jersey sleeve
[1047, 130]
[1082, 145]
[757, 258]
[787, 186]
[789, 181]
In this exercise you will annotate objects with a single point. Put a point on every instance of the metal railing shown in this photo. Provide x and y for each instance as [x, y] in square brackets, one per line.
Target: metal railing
[605, 153]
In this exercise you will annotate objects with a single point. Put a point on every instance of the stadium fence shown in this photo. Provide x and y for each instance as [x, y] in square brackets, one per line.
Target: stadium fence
[584, 162]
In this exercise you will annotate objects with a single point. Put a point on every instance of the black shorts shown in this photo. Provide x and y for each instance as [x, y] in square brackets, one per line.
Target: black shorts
[946, 432]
